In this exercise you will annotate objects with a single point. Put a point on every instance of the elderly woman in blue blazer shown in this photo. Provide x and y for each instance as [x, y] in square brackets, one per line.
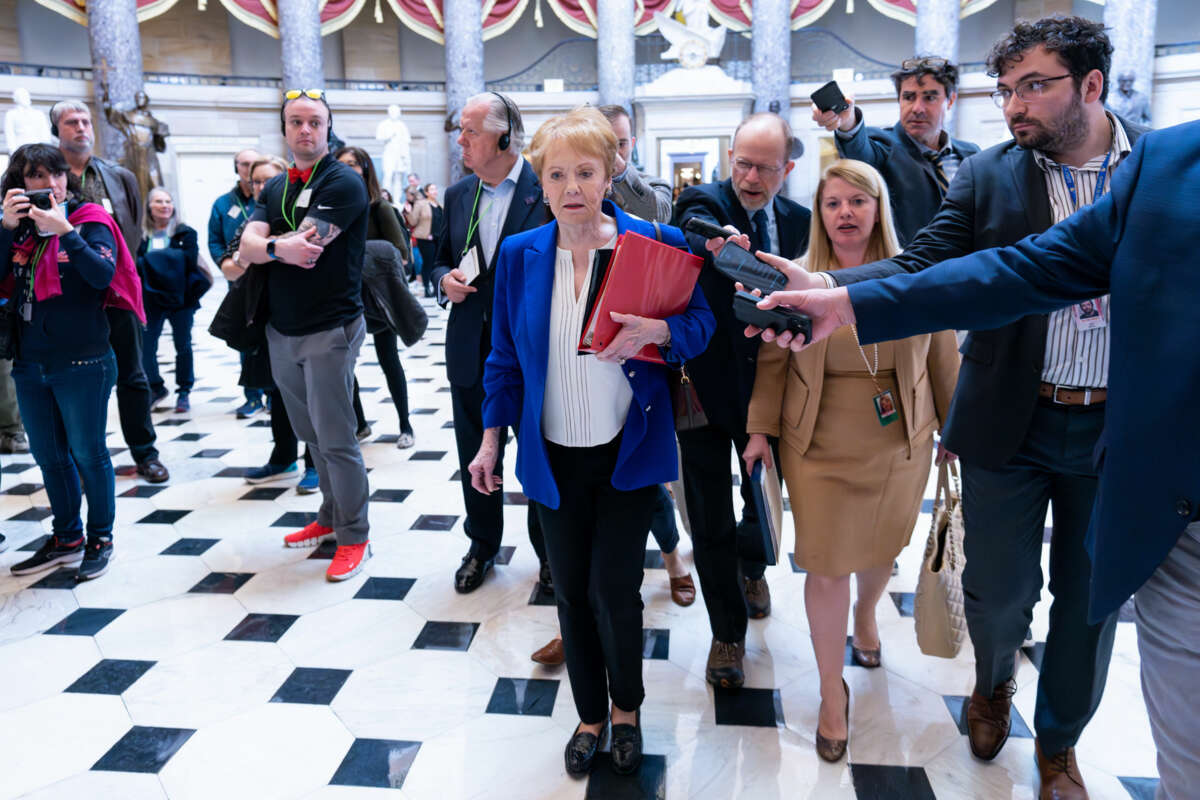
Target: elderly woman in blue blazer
[596, 433]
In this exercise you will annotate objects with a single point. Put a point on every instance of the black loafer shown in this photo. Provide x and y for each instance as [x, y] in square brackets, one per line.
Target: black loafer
[581, 751]
[627, 746]
[469, 576]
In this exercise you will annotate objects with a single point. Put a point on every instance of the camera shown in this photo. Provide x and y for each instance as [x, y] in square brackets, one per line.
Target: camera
[41, 198]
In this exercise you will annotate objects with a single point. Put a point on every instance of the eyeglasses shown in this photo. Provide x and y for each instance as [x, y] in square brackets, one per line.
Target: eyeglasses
[312, 94]
[1027, 91]
[767, 171]
[928, 61]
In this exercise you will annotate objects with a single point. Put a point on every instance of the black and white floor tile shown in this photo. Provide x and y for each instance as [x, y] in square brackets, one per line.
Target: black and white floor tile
[212, 662]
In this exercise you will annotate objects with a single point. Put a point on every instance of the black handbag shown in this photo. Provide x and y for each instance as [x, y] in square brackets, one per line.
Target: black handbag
[240, 321]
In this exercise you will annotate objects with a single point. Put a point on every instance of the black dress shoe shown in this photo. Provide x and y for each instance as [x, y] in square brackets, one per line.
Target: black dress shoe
[545, 580]
[469, 576]
[627, 746]
[153, 471]
[581, 751]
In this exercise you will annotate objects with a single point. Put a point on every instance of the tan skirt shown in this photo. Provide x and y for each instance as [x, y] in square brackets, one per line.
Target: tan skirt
[856, 493]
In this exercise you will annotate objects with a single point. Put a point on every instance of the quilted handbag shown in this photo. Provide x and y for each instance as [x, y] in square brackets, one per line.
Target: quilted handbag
[938, 607]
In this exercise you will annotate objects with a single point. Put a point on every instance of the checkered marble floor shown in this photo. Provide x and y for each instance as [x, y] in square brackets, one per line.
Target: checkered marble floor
[211, 662]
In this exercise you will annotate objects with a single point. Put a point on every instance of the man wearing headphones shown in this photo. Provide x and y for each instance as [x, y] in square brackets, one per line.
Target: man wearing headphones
[309, 232]
[116, 189]
[500, 199]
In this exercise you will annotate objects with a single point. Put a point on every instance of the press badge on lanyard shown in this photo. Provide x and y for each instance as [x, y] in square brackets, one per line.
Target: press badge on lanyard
[1088, 315]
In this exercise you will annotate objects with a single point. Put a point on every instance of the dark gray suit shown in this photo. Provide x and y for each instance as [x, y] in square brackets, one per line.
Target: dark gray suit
[1019, 454]
[910, 178]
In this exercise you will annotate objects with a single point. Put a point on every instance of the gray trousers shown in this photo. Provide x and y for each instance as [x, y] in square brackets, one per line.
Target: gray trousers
[10, 415]
[315, 377]
[1168, 625]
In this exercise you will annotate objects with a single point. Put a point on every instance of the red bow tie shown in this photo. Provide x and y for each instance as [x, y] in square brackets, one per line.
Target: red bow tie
[299, 176]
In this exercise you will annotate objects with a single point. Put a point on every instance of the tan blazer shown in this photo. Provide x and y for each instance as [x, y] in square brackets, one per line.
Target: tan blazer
[787, 387]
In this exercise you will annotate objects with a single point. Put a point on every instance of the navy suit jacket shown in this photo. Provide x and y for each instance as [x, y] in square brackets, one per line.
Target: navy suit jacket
[468, 332]
[997, 198]
[1140, 242]
[724, 373]
[515, 374]
[915, 196]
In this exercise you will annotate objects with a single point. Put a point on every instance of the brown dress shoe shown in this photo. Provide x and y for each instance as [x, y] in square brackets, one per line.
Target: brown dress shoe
[758, 597]
[988, 720]
[1060, 775]
[683, 591]
[552, 654]
[725, 664]
[832, 750]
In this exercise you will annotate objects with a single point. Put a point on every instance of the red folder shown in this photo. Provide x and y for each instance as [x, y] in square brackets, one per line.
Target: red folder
[645, 277]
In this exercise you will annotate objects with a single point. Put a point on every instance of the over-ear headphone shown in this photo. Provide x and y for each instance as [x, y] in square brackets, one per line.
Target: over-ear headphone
[283, 120]
[54, 120]
[506, 138]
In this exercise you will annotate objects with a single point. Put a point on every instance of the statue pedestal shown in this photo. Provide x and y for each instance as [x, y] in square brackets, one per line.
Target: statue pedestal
[688, 116]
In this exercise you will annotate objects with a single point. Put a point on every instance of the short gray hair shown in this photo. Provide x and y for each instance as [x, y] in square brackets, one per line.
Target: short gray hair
[63, 106]
[498, 116]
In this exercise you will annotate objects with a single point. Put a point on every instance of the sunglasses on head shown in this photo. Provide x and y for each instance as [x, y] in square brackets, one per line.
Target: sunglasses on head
[312, 94]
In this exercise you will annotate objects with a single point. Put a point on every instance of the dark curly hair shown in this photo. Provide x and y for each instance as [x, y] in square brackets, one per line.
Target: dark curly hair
[1080, 43]
[27, 158]
[918, 67]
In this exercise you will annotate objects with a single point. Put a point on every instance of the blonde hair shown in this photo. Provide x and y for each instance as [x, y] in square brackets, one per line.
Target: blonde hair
[584, 130]
[272, 161]
[883, 242]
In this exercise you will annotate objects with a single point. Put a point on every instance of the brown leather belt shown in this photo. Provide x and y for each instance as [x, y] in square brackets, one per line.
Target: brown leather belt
[1067, 396]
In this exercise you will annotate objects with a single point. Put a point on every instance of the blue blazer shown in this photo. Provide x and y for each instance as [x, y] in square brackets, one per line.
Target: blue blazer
[1139, 243]
[514, 376]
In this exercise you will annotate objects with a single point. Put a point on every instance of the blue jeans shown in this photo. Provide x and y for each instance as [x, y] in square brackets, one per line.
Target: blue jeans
[181, 335]
[65, 412]
[662, 524]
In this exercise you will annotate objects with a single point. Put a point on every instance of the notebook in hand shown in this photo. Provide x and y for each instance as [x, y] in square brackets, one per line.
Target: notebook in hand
[768, 501]
[643, 277]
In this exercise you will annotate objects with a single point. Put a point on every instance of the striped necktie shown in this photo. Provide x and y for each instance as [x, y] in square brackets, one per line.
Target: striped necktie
[938, 173]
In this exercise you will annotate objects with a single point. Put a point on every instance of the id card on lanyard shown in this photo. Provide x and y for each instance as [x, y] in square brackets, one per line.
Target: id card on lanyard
[1088, 315]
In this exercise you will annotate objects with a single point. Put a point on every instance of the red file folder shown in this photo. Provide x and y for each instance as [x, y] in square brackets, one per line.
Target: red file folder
[645, 277]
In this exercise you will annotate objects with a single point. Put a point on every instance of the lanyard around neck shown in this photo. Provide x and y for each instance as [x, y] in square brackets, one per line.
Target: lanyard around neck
[237, 198]
[1101, 179]
[290, 219]
[472, 221]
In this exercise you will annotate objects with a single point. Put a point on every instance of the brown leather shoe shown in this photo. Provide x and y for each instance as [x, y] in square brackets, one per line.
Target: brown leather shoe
[758, 597]
[832, 750]
[153, 471]
[1060, 775]
[988, 720]
[725, 664]
[683, 591]
[552, 654]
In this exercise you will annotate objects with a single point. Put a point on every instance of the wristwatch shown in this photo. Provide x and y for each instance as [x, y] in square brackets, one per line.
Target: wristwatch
[271, 248]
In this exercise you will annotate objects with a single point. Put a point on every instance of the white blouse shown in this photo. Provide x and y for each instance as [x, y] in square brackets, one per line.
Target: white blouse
[587, 400]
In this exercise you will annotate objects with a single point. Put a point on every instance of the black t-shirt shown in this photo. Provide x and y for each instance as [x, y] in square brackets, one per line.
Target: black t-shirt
[303, 301]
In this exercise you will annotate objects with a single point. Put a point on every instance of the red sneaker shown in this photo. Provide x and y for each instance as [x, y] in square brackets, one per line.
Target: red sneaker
[348, 561]
[310, 535]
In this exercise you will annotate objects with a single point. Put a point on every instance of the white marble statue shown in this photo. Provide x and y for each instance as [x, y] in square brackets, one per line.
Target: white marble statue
[694, 41]
[23, 124]
[397, 155]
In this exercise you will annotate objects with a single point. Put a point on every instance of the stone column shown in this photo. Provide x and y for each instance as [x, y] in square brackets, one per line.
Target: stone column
[116, 66]
[463, 22]
[300, 36]
[1131, 27]
[771, 55]
[937, 29]
[614, 52]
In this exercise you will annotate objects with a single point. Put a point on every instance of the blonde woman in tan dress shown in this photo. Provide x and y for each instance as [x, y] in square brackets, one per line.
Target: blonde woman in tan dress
[856, 427]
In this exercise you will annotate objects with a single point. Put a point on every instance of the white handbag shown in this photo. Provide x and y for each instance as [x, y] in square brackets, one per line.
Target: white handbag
[938, 606]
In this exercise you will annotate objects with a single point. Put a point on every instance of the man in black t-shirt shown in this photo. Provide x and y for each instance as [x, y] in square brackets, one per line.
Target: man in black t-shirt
[308, 232]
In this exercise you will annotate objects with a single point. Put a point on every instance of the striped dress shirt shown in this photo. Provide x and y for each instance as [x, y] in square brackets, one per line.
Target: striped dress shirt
[1074, 357]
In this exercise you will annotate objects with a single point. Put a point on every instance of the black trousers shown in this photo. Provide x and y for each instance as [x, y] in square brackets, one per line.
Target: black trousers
[133, 389]
[1004, 512]
[484, 524]
[716, 533]
[596, 542]
[428, 249]
[389, 361]
[286, 441]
